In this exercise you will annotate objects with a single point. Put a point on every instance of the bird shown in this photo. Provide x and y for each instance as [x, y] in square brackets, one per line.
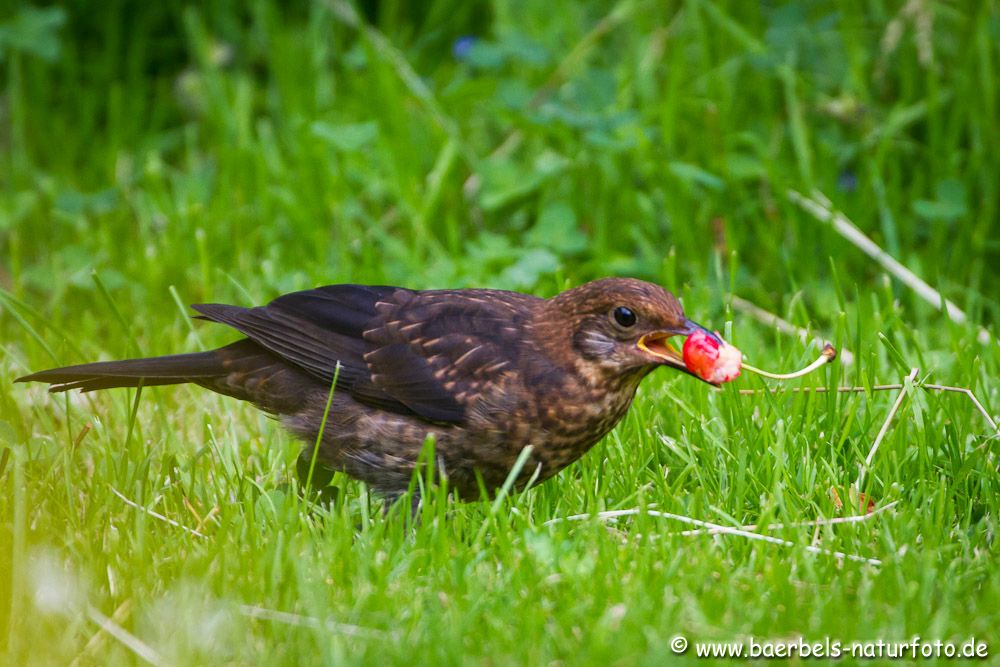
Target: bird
[373, 372]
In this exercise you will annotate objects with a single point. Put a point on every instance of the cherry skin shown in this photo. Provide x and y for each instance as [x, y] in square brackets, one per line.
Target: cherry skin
[704, 357]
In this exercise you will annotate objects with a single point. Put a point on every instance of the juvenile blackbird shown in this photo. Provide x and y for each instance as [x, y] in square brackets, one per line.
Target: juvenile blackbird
[484, 372]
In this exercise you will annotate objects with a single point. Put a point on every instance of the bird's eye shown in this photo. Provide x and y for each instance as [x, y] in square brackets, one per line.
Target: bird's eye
[624, 316]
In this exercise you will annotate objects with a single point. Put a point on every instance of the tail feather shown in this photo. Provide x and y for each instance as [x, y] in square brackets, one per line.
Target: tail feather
[95, 383]
[171, 369]
[243, 370]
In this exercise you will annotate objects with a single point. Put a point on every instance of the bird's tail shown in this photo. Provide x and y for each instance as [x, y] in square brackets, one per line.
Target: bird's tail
[199, 367]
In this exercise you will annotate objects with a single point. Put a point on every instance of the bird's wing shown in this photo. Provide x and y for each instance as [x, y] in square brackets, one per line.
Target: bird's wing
[422, 353]
[436, 351]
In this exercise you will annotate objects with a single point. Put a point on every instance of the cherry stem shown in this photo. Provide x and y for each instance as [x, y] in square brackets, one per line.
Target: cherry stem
[828, 354]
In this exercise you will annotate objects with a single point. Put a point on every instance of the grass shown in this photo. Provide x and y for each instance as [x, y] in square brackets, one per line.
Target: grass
[168, 155]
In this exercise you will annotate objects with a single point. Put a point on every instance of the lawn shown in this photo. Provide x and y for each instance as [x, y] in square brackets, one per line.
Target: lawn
[154, 155]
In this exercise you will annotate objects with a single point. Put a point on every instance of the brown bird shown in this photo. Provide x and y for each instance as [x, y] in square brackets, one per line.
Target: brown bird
[485, 373]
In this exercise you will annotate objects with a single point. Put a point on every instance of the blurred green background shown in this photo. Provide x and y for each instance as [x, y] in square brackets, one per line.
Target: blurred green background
[155, 154]
[517, 145]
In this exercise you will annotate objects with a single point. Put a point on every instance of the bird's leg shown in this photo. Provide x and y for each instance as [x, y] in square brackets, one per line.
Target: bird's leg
[321, 478]
[390, 499]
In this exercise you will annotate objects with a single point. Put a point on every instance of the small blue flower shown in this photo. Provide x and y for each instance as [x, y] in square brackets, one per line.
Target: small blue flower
[847, 181]
[460, 49]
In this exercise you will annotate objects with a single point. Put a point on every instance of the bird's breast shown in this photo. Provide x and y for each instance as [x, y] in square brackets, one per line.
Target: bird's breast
[574, 419]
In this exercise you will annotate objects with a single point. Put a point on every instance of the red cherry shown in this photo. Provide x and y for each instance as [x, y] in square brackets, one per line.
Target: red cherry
[700, 354]
[711, 360]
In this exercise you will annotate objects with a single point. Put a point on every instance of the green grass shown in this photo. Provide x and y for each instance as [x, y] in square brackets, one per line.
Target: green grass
[154, 157]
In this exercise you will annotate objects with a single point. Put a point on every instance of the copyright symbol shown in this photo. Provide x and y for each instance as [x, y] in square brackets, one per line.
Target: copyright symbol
[679, 644]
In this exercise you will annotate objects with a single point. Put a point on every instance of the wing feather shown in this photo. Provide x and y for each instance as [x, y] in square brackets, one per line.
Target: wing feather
[411, 352]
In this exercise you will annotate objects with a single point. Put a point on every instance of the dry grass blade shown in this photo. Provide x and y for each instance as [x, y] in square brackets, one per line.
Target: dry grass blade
[784, 326]
[968, 394]
[155, 515]
[88, 655]
[885, 426]
[83, 434]
[130, 641]
[718, 529]
[614, 514]
[821, 208]
[288, 618]
[883, 387]
[802, 524]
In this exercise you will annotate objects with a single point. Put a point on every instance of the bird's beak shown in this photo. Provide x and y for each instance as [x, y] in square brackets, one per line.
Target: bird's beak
[657, 345]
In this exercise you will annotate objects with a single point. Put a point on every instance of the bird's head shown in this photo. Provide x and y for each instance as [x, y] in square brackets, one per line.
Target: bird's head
[621, 325]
